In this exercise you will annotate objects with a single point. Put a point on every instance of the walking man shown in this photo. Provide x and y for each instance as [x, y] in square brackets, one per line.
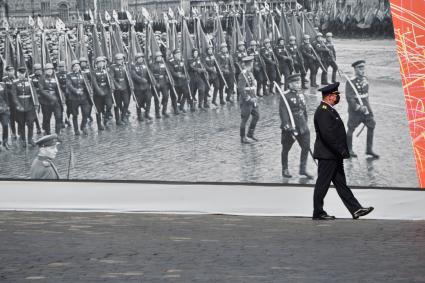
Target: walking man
[43, 167]
[331, 149]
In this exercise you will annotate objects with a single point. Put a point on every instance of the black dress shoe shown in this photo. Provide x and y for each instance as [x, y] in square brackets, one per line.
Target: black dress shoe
[362, 212]
[244, 140]
[324, 216]
[373, 154]
[306, 174]
[353, 154]
[251, 136]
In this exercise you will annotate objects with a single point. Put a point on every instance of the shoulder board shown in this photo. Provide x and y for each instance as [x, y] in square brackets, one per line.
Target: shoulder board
[45, 163]
[324, 107]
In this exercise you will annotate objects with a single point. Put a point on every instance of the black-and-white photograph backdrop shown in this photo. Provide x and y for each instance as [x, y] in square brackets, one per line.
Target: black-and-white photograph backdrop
[198, 91]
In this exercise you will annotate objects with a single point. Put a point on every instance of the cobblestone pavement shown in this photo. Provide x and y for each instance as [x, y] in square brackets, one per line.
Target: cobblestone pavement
[95, 247]
[205, 146]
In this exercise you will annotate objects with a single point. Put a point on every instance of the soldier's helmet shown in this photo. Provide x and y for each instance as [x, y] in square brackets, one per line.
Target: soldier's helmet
[49, 66]
[223, 45]
[158, 54]
[139, 55]
[292, 38]
[253, 43]
[209, 47]
[195, 50]
[83, 59]
[280, 39]
[306, 36]
[119, 56]
[267, 40]
[241, 43]
[36, 66]
[74, 62]
[329, 34]
[100, 59]
[176, 51]
[319, 34]
[61, 64]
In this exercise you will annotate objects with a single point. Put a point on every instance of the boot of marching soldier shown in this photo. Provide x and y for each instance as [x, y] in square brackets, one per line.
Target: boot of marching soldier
[50, 100]
[181, 82]
[359, 109]
[227, 68]
[198, 75]
[122, 89]
[248, 100]
[294, 125]
[213, 75]
[142, 86]
[24, 106]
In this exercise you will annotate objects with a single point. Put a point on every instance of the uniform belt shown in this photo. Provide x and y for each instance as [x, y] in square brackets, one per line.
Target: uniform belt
[159, 76]
[24, 96]
[364, 95]
[299, 112]
[121, 79]
[102, 84]
[250, 88]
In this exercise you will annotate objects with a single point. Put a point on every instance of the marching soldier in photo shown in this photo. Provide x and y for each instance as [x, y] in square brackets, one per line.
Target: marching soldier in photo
[359, 109]
[323, 52]
[159, 72]
[211, 68]
[35, 78]
[225, 63]
[297, 60]
[293, 117]
[330, 148]
[102, 88]
[122, 89]
[42, 167]
[285, 61]
[85, 70]
[258, 70]
[271, 64]
[61, 75]
[310, 60]
[248, 100]
[181, 82]
[240, 53]
[49, 99]
[8, 81]
[330, 56]
[142, 86]
[198, 76]
[23, 96]
[4, 116]
[78, 96]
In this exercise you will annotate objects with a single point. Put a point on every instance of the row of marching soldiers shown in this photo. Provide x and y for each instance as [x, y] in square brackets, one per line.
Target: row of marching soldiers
[110, 86]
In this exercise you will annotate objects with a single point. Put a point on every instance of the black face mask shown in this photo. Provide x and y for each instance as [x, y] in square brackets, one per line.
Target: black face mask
[337, 99]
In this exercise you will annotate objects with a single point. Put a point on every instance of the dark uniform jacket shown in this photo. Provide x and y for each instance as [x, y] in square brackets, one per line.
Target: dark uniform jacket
[177, 71]
[61, 75]
[238, 59]
[210, 66]
[295, 55]
[119, 77]
[195, 67]
[21, 94]
[362, 86]
[331, 138]
[225, 63]
[298, 109]
[76, 87]
[282, 55]
[101, 86]
[49, 93]
[322, 51]
[308, 53]
[258, 67]
[139, 74]
[43, 168]
[331, 53]
[159, 72]
[8, 81]
[4, 99]
[247, 90]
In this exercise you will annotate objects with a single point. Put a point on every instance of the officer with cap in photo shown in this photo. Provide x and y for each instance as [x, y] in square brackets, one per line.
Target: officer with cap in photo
[42, 166]
[330, 148]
